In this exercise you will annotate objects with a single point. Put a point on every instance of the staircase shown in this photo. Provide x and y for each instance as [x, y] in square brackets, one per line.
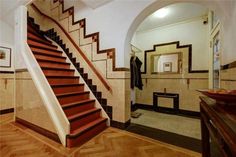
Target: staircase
[84, 118]
[52, 34]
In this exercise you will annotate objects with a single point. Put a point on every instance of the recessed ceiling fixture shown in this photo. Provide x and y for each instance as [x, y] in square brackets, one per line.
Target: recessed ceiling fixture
[161, 13]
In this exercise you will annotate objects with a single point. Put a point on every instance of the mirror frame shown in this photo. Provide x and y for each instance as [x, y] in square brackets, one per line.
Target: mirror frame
[165, 54]
[177, 43]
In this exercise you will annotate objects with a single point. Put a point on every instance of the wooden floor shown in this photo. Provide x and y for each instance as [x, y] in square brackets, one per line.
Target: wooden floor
[19, 141]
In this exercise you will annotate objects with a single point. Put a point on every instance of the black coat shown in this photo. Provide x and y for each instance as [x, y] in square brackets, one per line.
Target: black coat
[135, 73]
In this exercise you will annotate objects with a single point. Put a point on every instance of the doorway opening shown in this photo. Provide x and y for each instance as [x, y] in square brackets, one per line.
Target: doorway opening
[173, 45]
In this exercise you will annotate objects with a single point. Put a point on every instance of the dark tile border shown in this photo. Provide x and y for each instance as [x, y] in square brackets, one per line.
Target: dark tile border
[6, 72]
[181, 112]
[229, 66]
[21, 70]
[38, 129]
[120, 125]
[177, 43]
[5, 111]
[167, 137]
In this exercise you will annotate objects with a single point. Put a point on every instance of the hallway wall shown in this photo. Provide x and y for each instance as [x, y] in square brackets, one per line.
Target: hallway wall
[7, 40]
[191, 31]
[117, 20]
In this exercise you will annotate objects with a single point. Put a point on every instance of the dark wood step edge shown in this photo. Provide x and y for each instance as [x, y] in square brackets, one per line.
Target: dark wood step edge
[82, 115]
[72, 93]
[51, 61]
[66, 77]
[56, 69]
[61, 57]
[87, 129]
[44, 48]
[80, 103]
[42, 42]
[66, 85]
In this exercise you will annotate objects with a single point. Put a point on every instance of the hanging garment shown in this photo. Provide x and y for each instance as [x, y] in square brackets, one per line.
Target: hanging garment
[135, 72]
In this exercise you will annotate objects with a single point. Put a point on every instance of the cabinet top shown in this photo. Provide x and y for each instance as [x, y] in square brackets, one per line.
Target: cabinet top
[223, 116]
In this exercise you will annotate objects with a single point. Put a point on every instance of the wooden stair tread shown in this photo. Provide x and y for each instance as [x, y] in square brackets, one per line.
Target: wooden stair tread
[59, 53]
[44, 48]
[32, 35]
[86, 127]
[40, 40]
[82, 114]
[62, 69]
[67, 85]
[55, 76]
[55, 56]
[39, 48]
[52, 61]
[36, 33]
[72, 93]
[68, 105]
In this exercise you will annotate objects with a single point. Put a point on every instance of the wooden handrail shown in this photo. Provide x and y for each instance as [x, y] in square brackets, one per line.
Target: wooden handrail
[77, 48]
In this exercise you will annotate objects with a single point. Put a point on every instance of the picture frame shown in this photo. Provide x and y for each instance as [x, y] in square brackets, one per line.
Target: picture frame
[5, 57]
[167, 67]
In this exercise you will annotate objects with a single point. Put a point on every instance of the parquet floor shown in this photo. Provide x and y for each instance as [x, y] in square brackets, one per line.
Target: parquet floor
[19, 141]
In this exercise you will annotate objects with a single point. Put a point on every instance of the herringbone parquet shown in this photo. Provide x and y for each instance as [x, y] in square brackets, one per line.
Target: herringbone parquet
[17, 141]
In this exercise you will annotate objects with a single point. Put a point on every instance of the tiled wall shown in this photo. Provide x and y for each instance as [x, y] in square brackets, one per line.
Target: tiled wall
[6, 91]
[117, 80]
[185, 84]
[29, 105]
[228, 79]
[188, 96]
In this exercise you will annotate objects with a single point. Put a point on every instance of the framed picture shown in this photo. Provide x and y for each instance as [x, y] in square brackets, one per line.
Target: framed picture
[5, 57]
[167, 67]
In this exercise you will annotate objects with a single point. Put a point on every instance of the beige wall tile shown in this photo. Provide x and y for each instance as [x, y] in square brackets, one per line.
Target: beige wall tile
[6, 91]
[29, 105]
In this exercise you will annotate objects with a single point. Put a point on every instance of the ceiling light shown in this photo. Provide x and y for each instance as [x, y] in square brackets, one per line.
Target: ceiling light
[161, 13]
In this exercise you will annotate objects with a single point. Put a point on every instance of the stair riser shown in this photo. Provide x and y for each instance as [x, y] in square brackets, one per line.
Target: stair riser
[85, 136]
[50, 58]
[58, 73]
[62, 80]
[46, 51]
[31, 29]
[79, 108]
[33, 36]
[40, 44]
[73, 98]
[82, 121]
[59, 90]
[43, 53]
[53, 65]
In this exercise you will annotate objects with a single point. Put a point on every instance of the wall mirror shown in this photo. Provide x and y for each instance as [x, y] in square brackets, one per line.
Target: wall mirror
[166, 63]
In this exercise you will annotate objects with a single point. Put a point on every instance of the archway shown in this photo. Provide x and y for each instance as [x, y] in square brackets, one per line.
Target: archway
[150, 9]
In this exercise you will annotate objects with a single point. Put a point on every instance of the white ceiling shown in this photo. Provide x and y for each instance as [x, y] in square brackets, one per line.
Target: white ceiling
[177, 13]
[95, 3]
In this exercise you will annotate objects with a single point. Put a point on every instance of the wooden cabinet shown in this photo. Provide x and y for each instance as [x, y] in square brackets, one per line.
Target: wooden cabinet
[218, 126]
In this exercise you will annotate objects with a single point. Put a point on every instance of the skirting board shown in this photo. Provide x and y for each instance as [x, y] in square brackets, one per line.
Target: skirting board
[39, 129]
[6, 72]
[5, 111]
[120, 125]
[181, 112]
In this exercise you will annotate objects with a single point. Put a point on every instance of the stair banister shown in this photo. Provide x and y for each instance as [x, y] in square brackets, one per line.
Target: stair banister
[50, 101]
[90, 64]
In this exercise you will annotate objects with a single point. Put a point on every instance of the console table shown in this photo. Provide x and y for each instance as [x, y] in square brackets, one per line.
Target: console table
[218, 124]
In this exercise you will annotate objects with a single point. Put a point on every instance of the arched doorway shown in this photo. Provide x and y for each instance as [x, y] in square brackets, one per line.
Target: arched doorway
[157, 94]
